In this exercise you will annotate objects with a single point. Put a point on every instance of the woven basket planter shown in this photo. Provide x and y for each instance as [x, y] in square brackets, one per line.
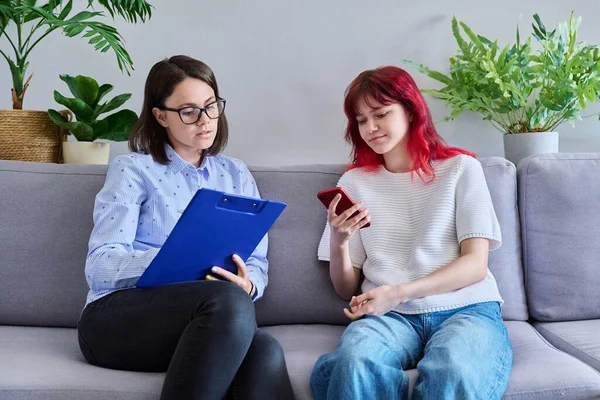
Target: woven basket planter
[28, 135]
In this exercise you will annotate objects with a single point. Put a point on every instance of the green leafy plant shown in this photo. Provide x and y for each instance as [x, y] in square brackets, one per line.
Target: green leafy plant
[517, 89]
[34, 21]
[87, 108]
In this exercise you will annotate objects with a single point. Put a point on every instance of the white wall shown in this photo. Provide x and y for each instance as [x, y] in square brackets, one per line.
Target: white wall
[283, 65]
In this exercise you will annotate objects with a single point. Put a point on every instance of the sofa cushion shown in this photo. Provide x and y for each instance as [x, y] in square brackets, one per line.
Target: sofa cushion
[300, 290]
[45, 228]
[46, 220]
[46, 364]
[539, 370]
[295, 273]
[505, 263]
[303, 344]
[581, 339]
[559, 203]
[45, 225]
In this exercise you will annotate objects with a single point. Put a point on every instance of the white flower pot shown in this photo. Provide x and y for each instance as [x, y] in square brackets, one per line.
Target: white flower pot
[520, 145]
[85, 152]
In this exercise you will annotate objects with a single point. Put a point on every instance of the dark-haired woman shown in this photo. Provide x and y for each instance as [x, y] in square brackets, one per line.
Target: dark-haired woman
[203, 334]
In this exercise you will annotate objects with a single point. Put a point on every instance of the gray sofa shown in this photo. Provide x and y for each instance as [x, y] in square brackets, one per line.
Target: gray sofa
[547, 270]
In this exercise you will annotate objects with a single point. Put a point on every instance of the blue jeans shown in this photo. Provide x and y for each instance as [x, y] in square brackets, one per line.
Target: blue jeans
[461, 354]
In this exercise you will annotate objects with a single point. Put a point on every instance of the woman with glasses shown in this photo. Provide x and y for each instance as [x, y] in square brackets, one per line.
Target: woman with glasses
[202, 333]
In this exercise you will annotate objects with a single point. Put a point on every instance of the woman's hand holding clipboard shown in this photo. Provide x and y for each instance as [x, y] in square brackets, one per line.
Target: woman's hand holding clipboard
[242, 279]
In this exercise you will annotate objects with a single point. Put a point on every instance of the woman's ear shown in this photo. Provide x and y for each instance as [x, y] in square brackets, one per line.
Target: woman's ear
[161, 117]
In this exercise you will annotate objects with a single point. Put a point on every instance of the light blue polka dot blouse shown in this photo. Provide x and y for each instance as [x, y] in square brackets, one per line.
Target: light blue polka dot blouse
[138, 207]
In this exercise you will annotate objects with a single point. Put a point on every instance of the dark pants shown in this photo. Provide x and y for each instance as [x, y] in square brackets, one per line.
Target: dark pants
[202, 333]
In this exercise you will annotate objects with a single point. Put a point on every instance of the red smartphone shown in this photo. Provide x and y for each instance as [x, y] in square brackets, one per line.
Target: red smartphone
[326, 196]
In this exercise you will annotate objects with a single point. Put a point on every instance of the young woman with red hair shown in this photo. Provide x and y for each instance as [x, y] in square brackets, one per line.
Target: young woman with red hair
[428, 299]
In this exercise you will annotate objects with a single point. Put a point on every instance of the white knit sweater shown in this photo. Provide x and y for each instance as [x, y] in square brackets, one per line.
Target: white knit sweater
[417, 227]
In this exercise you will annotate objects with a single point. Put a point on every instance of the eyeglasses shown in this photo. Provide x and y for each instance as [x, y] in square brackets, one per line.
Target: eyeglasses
[191, 115]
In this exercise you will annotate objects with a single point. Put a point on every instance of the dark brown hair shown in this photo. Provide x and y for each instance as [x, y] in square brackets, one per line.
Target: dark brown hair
[150, 137]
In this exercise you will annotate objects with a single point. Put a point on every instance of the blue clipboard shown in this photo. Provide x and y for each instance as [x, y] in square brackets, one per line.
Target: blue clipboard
[213, 227]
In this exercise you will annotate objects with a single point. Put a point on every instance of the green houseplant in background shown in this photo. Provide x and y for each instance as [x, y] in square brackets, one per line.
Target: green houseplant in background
[30, 135]
[525, 93]
[87, 107]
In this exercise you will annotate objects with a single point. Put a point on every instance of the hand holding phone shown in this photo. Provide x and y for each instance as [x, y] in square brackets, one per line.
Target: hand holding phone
[344, 214]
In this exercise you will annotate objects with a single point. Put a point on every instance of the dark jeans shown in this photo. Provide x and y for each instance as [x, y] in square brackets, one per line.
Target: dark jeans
[202, 333]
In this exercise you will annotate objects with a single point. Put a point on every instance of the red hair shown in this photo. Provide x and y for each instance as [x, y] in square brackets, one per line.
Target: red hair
[389, 85]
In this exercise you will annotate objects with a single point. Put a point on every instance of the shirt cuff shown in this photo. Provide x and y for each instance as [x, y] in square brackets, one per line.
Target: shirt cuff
[255, 276]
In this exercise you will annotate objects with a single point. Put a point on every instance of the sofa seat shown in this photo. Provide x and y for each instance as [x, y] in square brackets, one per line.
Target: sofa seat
[540, 371]
[578, 338]
[45, 363]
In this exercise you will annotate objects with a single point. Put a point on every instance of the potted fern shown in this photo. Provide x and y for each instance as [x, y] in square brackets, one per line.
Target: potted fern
[86, 107]
[524, 93]
[24, 24]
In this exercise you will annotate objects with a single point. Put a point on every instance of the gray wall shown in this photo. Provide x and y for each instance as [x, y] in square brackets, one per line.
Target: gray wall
[283, 65]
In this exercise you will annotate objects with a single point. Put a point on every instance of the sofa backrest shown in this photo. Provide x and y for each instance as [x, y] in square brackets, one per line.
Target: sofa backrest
[559, 202]
[46, 220]
[45, 224]
[506, 262]
[300, 290]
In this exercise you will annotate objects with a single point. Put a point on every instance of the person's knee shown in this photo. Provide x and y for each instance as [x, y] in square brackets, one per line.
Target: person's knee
[352, 360]
[358, 373]
[270, 351]
[456, 373]
[448, 370]
[230, 306]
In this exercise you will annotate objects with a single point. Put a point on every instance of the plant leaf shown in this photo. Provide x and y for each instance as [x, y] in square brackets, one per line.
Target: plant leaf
[83, 16]
[113, 104]
[130, 10]
[83, 21]
[99, 127]
[473, 37]
[66, 10]
[88, 88]
[119, 125]
[102, 91]
[464, 47]
[72, 83]
[541, 26]
[82, 131]
[82, 111]
[438, 76]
